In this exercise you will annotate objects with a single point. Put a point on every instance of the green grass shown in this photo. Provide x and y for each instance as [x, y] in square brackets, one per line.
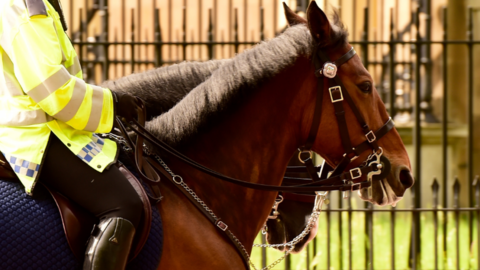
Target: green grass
[382, 243]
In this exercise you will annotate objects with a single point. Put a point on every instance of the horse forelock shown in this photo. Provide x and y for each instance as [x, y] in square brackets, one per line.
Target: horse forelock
[230, 84]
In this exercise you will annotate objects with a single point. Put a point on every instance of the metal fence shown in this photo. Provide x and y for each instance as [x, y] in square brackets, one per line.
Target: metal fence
[108, 52]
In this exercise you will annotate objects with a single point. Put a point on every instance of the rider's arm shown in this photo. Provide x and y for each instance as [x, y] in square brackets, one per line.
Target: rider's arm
[37, 58]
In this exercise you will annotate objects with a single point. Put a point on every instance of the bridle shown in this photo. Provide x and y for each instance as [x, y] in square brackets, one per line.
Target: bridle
[148, 162]
[376, 163]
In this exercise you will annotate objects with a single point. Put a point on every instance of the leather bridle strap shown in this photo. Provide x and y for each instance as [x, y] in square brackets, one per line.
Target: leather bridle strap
[328, 71]
[312, 186]
[358, 150]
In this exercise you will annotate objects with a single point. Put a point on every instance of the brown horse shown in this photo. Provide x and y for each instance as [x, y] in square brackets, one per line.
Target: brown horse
[246, 121]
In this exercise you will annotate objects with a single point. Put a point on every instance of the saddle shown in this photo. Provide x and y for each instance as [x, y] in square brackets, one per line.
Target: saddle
[78, 223]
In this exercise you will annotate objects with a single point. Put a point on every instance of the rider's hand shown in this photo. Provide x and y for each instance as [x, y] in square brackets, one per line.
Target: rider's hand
[126, 105]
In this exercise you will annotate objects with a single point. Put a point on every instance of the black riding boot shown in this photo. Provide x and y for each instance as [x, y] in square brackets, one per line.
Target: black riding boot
[109, 245]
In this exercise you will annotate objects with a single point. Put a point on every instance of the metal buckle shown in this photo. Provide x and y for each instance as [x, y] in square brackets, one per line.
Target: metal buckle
[329, 70]
[304, 160]
[274, 214]
[371, 137]
[222, 226]
[355, 173]
[331, 96]
[354, 185]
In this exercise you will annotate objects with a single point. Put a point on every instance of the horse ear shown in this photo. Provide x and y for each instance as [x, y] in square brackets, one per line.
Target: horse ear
[319, 24]
[292, 17]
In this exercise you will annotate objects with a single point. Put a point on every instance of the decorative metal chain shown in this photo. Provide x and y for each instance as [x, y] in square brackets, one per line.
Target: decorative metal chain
[311, 222]
[319, 200]
[313, 218]
[118, 139]
[179, 181]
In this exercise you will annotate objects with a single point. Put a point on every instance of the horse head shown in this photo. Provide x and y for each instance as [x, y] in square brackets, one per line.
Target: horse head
[359, 85]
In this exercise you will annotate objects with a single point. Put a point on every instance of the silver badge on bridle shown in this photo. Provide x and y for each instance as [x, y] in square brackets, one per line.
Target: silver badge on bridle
[329, 70]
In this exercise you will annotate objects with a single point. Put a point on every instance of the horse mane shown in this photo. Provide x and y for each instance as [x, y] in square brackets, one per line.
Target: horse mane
[163, 87]
[230, 85]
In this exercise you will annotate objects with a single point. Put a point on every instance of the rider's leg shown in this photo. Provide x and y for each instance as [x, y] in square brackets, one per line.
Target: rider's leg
[108, 195]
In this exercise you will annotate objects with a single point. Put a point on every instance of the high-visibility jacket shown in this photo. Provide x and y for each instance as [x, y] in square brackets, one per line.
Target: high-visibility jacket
[42, 91]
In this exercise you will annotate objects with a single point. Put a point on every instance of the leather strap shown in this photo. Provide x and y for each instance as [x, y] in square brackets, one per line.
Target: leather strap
[312, 187]
[143, 166]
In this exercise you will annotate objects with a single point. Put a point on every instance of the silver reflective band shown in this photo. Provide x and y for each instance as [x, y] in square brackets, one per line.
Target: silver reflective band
[69, 111]
[50, 85]
[75, 67]
[97, 106]
[23, 118]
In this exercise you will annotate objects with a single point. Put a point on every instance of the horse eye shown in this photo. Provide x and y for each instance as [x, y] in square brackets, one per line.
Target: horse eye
[365, 87]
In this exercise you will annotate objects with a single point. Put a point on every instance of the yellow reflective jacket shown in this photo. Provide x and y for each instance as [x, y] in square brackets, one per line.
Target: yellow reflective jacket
[42, 91]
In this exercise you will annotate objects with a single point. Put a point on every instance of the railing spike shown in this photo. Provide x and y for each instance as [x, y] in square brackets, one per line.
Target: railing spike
[476, 184]
[435, 185]
[435, 188]
[456, 192]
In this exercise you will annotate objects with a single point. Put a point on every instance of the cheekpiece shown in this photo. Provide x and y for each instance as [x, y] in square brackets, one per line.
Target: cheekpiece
[329, 70]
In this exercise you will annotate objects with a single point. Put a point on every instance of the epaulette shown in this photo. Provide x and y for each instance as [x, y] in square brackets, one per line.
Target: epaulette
[36, 7]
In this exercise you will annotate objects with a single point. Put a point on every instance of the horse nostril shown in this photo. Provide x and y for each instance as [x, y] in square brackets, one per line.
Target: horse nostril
[406, 178]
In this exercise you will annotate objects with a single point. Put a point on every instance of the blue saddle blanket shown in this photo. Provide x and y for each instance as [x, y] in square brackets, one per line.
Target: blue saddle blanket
[32, 236]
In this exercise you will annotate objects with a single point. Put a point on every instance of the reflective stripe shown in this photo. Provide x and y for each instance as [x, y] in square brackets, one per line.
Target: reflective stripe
[75, 67]
[69, 111]
[97, 105]
[22, 166]
[50, 85]
[36, 8]
[23, 118]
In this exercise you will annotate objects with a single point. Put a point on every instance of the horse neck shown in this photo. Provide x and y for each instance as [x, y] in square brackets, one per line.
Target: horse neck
[254, 144]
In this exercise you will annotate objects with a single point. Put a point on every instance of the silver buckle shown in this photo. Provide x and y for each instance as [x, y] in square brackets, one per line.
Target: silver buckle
[372, 138]
[222, 226]
[355, 173]
[305, 151]
[331, 96]
[329, 70]
[353, 185]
